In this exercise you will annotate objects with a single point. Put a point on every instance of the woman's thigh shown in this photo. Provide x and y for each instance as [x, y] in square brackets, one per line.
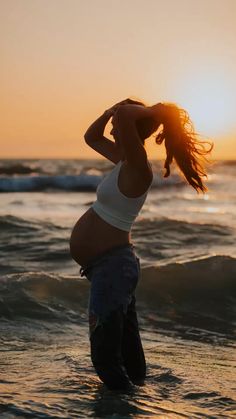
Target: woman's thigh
[113, 283]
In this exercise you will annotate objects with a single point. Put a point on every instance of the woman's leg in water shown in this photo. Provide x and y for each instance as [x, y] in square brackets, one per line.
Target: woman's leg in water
[132, 349]
[106, 350]
[112, 320]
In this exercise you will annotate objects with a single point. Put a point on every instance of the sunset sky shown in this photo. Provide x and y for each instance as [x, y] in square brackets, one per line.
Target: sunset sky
[63, 62]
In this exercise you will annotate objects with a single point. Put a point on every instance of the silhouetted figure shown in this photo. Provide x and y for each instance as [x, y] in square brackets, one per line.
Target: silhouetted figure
[101, 239]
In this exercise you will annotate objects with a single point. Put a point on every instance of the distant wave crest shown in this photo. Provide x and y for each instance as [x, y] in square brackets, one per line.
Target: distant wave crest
[81, 182]
[19, 169]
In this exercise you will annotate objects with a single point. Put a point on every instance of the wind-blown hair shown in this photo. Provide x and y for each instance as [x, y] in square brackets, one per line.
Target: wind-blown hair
[181, 142]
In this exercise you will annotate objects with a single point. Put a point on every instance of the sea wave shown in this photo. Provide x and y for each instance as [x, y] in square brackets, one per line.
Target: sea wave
[52, 167]
[80, 183]
[42, 183]
[75, 175]
[11, 222]
[32, 243]
[157, 241]
[19, 169]
[163, 238]
[199, 293]
[34, 175]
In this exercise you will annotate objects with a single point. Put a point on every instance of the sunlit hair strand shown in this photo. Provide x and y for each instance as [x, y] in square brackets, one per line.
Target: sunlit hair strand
[182, 144]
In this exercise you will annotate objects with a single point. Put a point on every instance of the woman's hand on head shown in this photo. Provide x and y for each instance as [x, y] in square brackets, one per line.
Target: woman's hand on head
[112, 110]
[132, 112]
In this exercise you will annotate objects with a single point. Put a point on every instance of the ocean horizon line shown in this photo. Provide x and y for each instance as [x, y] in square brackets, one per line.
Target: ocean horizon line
[93, 158]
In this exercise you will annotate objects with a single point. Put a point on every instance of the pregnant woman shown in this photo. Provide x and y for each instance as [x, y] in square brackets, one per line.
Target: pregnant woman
[101, 240]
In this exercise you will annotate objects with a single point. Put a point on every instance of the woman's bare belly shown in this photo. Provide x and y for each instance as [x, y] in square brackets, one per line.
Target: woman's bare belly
[91, 236]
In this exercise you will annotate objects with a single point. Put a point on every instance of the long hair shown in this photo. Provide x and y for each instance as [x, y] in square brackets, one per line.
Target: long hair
[182, 144]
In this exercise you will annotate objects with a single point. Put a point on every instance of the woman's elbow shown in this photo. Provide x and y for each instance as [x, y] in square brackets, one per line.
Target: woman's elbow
[87, 138]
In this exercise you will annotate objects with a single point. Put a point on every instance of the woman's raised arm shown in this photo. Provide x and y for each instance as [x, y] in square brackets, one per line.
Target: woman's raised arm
[94, 136]
[124, 122]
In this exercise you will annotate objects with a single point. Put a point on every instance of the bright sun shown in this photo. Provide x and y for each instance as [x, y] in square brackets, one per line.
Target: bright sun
[210, 101]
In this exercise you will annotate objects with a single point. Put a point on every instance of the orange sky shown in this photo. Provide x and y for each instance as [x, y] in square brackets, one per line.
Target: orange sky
[65, 61]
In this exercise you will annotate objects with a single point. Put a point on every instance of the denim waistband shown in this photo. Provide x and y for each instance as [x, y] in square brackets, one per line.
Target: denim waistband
[109, 252]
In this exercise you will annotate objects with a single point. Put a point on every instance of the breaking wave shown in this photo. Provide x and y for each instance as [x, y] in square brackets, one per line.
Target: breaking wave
[199, 293]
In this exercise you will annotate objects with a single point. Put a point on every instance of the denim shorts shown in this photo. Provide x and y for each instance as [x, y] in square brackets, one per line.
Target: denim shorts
[114, 276]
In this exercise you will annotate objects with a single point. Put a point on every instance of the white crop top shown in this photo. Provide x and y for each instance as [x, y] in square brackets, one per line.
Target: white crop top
[113, 206]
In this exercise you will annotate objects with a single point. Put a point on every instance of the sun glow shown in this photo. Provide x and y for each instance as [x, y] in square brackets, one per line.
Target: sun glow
[209, 98]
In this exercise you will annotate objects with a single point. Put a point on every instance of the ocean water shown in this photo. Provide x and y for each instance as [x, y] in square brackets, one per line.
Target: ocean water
[185, 298]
